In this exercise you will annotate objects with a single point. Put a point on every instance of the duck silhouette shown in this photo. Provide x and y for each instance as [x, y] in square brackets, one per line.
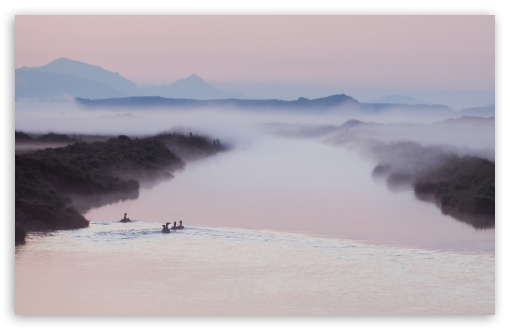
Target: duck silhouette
[165, 228]
[125, 219]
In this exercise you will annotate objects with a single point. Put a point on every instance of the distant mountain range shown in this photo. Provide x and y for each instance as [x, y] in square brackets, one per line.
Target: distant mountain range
[94, 86]
[485, 111]
[68, 78]
[339, 103]
[333, 101]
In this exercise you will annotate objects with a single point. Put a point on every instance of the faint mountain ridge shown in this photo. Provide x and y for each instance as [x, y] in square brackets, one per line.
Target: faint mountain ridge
[325, 103]
[91, 72]
[488, 110]
[399, 99]
[88, 72]
[35, 84]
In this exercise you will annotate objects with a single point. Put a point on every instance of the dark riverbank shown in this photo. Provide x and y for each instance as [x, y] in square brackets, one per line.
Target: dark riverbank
[49, 182]
[463, 187]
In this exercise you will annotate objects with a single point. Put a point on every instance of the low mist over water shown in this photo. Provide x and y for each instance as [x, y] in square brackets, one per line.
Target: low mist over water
[68, 116]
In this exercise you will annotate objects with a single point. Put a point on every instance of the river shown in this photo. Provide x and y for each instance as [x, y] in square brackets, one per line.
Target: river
[276, 226]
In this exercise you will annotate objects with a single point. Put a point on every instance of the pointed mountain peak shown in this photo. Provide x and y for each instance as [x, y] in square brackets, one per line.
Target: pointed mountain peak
[192, 78]
[65, 64]
[63, 60]
[337, 98]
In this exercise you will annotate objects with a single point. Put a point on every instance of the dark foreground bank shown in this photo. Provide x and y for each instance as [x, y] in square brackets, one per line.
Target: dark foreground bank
[48, 180]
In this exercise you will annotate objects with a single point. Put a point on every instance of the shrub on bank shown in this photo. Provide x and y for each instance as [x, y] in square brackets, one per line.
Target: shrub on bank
[461, 184]
[45, 178]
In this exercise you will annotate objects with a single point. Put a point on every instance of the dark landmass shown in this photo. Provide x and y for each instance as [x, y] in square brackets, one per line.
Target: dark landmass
[92, 173]
[191, 147]
[271, 104]
[463, 187]
[30, 142]
[22, 137]
[54, 137]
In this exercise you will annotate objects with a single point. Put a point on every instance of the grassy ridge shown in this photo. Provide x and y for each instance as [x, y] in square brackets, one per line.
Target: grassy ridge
[189, 147]
[45, 178]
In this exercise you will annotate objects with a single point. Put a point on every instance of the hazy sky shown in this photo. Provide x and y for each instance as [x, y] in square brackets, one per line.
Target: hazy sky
[372, 55]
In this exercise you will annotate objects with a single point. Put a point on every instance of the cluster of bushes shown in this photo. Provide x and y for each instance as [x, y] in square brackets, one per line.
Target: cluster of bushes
[50, 137]
[45, 178]
[190, 147]
[39, 204]
[461, 185]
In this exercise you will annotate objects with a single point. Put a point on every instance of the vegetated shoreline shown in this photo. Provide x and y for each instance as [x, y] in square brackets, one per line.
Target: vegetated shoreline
[462, 187]
[106, 168]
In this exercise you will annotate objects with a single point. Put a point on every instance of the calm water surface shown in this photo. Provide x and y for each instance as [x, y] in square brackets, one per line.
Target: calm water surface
[134, 269]
[279, 227]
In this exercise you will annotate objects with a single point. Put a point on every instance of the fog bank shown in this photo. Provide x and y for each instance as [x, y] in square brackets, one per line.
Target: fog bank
[407, 145]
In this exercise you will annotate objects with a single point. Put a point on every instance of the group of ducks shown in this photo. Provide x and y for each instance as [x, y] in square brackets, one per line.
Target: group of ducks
[165, 226]
[175, 227]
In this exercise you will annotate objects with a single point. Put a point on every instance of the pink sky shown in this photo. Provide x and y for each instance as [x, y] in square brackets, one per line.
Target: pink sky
[454, 52]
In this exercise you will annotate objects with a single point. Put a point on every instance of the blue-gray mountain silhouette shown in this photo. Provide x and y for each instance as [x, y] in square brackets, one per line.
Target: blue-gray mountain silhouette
[488, 110]
[63, 78]
[329, 102]
[192, 87]
[94, 86]
[91, 72]
[35, 84]
[399, 99]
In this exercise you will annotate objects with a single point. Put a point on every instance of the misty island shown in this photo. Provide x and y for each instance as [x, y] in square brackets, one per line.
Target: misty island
[53, 186]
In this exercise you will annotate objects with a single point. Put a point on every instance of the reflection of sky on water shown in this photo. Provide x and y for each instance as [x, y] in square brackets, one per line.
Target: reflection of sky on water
[299, 186]
[118, 268]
